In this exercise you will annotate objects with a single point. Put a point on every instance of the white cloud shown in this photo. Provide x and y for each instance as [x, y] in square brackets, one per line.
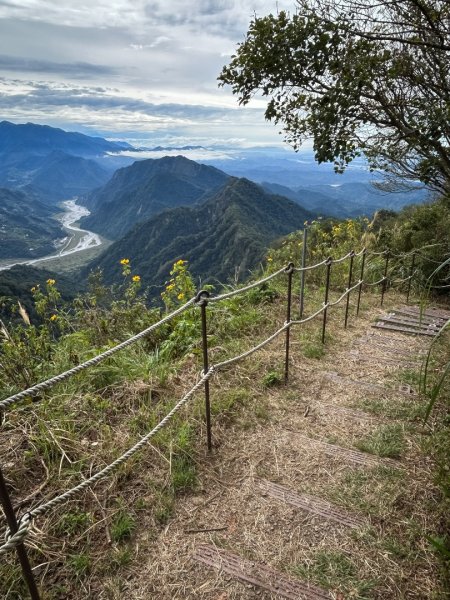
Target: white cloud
[139, 51]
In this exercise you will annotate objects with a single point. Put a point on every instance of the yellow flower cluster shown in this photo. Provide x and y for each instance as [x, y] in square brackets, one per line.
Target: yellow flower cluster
[180, 262]
[180, 296]
[53, 317]
[136, 278]
[125, 261]
[51, 282]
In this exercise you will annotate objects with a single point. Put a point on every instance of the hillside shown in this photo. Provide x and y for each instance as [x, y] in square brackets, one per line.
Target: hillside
[137, 192]
[27, 228]
[61, 176]
[224, 237]
[16, 284]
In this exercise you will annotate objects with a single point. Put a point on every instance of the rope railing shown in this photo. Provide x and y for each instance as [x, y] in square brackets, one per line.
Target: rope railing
[247, 287]
[18, 530]
[13, 540]
[48, 383]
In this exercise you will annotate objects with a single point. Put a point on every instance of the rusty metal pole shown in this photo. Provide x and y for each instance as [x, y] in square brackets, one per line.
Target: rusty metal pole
[411, 273]
[350, 275]
[325, 302]
[303, 273]
[384, 282]
[20, 548]
[361, 278]
[289, 271]
[202, 300]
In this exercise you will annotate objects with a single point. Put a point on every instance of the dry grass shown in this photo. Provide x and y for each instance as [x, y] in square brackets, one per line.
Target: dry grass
[129, 537]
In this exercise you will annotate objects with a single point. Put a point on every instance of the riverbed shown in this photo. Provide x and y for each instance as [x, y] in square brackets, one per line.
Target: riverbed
[78, 240]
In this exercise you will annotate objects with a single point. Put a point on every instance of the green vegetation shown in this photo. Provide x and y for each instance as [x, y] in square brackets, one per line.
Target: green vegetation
[335, 570]
[27, 228]
[223, 239]
[356, 80]
[84, 423]
[387, 441]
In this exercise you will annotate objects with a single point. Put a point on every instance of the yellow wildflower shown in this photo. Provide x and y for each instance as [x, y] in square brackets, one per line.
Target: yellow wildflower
[33, 289]
[136, 277]
[180, 262]
[51, 282]
[180, 296]
[125, 261]
[269, 259]
[53, 317]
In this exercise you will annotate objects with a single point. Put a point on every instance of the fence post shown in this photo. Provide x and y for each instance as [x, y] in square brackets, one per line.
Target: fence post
[325, 302]
[384, 283]
[303, 273]
[289, 271]
[361, 278]
[202, 301]
[411, 272]
[350, 275]
[20, 548]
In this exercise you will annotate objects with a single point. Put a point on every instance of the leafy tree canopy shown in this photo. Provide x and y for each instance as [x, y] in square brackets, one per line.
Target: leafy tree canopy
[356, 76]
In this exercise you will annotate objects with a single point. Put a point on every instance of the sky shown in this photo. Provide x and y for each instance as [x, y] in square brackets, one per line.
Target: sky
[144, 71]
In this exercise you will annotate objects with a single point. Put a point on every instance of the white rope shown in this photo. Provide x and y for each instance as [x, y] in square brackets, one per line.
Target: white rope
[300, 269]
[39, 387]
[375, 282]
[230, 361]
[347, 291]
[324, 307]
[339, 260]
[25, 523]
[247, 287]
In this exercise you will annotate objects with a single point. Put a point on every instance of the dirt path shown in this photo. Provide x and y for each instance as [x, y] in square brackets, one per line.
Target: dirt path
[327, 486]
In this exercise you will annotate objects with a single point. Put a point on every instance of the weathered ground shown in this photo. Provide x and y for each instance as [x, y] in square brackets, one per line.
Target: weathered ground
[341, 432]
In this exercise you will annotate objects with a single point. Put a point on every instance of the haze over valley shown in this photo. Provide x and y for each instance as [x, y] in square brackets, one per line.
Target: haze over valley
[66, 196]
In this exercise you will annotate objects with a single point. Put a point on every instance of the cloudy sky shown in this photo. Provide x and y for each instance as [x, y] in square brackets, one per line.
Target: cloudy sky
[141, 70]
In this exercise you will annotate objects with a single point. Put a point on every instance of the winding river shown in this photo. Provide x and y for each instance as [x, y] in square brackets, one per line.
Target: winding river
[84, 239]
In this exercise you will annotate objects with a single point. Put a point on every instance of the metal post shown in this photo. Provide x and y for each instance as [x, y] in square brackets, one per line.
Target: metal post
[384, 282]
[20, 548]
[289, 271]
[303, 273]
[361, 278]
[325, 302]
[202, 300]
[411, 273]
[350, 275]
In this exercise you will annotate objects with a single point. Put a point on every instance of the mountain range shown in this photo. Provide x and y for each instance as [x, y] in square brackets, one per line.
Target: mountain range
[222, 238]
[137, 192]
[50, 164]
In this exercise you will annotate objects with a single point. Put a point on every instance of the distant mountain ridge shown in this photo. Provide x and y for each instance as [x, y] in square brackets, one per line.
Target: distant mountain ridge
[42, 140]
[146, 187]
[229, 233]
[347, 200]
[50, 164]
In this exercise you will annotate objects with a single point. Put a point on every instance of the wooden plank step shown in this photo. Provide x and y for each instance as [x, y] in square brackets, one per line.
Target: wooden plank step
[411, 331]
[404, 390]
[419, 317]
[312, 504]
[430, 312]
[413, 324]
[416, 320]
[349, 455]
[258, 574]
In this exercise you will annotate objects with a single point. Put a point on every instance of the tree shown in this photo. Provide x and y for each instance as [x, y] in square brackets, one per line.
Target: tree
[356, 76]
